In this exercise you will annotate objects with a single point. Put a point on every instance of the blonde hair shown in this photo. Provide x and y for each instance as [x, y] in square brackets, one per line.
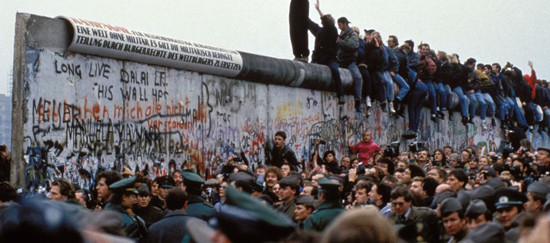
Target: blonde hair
[454, 59]
[355, 29]
[351, 226]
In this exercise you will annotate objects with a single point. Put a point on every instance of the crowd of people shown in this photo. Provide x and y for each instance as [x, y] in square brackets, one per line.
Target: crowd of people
[489, 90]
[372, 194]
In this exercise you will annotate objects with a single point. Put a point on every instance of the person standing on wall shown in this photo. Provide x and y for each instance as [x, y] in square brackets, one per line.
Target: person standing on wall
[324, 52]
[298, 20]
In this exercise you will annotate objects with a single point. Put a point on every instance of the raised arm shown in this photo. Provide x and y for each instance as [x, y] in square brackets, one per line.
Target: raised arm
[318, 9]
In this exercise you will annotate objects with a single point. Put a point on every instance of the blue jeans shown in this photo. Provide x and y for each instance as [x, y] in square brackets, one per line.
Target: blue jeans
[441, 96]
[433, 97]
[473, 103]
[537, 114]
[485, 101]
[462, 100]
[417, 97]
[502, 106]
[403, 86]
[357, 79]
[385, 85]
[333, 66]
[449, 97]
[514, 109]
[412, 77]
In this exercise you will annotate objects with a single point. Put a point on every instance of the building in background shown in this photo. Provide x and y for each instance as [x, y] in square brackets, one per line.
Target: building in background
[5, 115]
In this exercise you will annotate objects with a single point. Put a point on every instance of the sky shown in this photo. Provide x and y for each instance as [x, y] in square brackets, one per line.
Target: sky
[489, 30]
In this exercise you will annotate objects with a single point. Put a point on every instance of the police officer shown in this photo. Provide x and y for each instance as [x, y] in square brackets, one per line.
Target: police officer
[477, 214]
[304, 208]
[246, 219]
[289, 190]
[454, 220]
[328, 210]
[165, 183]
[143, 208]
[509, 204]
[124, 196]
[196, 206]
[536, 197]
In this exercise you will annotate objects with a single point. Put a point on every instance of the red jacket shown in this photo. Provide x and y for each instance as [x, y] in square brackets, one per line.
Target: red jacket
[365, 150]
[532, 81]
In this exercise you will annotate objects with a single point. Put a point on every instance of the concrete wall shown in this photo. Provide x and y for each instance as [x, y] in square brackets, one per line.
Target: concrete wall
[82, 113]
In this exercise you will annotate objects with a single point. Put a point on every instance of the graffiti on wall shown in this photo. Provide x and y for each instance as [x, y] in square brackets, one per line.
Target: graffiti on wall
[84, 114]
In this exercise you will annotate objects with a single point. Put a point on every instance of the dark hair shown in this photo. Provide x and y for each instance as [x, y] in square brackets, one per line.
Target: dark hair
[425, 44]
[84, 194]
[367, 185]
[498, 66]
[460, 214]
[384, 189]
[110, 177]
[443, 159]
[391, 165]
[470, 61]
[175, 198]
[401, 191]
[245, 186]
[480, 66]
[281, 134]
[330, 195]
[460, 176]
[441, 172]
[489, 67]
[395, 39]
[7, 192]
[390, 178]
[65, 187]
[327, 153]
[416, 171]
[429, 185]
[410, 43]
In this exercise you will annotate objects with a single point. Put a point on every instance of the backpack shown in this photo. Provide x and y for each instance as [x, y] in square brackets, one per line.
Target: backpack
[431, 67]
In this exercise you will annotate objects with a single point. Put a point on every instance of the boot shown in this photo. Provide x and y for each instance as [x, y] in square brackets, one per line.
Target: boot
[358, 106]
[383, 106]
[465, 121]
[451, 115]
[434, 118]
[341, 100]
[471, 120]
[410, 134]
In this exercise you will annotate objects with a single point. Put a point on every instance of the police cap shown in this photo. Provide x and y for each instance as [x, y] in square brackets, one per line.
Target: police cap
[124, 185]
[449, 206]
[506, 198]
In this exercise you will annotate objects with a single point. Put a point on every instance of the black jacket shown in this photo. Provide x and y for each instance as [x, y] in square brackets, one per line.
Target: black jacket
[403, 64]
[444, 72]
[325, 41]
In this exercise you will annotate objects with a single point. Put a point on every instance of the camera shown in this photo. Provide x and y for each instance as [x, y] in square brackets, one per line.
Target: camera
[416, 146]
[392, 150]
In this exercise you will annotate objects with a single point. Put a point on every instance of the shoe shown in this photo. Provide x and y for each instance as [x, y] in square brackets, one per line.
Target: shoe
[358, 106]
[531, 128]
[392, 110]
[441, 115]
[409, 134]
[471, 120]
[341, 100]
[493, 122]
[465, 121]
[451, 115]
[483, 125]
[504, 126]
[369, 112]
[383, 106]
[401, 112]
[434, 118]
[369, 103]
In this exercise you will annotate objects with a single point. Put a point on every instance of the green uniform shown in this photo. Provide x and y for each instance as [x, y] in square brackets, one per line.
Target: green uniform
[323, 216]
[132, 224]
[199, 208]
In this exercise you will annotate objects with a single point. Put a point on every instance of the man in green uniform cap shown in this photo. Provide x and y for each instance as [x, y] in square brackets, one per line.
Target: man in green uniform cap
[123, 198]
[196, 205]
[246, 219]
[330, 207]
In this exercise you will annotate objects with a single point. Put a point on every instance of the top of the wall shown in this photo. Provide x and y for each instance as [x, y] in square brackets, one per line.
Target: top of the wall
[89, 37]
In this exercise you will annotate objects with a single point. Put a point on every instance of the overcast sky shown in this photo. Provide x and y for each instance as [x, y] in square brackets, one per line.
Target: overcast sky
[488, 30]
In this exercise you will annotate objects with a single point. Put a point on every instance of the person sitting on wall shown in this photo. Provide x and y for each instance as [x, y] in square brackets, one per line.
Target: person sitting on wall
[281, 152]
